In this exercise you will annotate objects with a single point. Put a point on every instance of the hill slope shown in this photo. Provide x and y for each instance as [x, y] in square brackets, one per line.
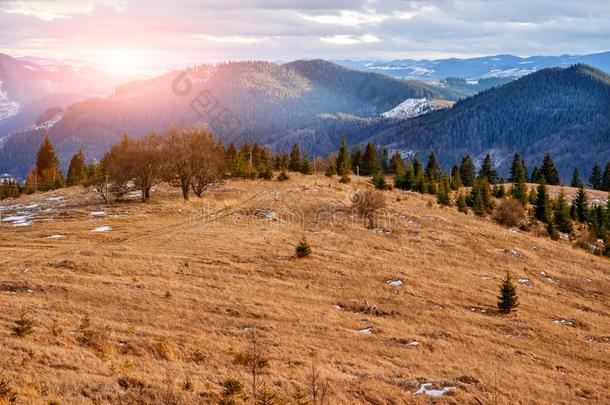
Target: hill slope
[261, 101]
[171, 291]
[562, 111]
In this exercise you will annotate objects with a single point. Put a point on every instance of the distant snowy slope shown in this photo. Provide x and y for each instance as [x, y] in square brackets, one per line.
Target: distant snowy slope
[8, 107]
[412, 107]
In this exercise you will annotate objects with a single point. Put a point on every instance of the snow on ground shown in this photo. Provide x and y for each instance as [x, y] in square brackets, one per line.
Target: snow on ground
[423, 389]
[104, 228]
[411, 107]
[394, 283]
[8, 107]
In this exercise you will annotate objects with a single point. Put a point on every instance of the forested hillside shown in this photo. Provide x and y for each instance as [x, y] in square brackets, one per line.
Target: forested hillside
[257, 101]
[562, 111]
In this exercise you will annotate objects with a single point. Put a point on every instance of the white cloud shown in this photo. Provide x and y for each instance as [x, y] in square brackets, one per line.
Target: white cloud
[346, 18]
[350, 40]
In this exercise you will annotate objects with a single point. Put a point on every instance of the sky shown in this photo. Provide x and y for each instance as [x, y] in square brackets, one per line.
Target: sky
[155, 34]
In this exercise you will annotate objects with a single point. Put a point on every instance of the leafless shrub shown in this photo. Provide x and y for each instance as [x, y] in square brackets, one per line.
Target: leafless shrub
[367, 203]
[97, 338]
[509, 213]
[7, 393]
[254, 361]
[319, 388]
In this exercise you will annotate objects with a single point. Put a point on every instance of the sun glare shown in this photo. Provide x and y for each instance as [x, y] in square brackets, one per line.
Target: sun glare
[125, 62]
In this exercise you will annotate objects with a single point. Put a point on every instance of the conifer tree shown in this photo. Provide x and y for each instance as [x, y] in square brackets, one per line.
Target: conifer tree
[257, 151]
[295, 159]
[231, 157]
[442, 194]
[480, 198]
[433, 170]
[357, 159]
[342, 164]
[595, 178]
[467, 171]
[331, 170]
[561, 213]
[47, 174]
[456, 180]
[417, 167]
[77, 172]
[605, 186]
[542, 207]
[549, 172]
[516, 168]
[536, 175]
[461, 204]
[370, 163]
[384, 162]
[303, 249]
[396, 163]
[488, 170]
[519, 188]
[579, 210]
[306, 167]
[507, 300]
[405, 178]
[498, 190]
[379, 181]
[576, 182]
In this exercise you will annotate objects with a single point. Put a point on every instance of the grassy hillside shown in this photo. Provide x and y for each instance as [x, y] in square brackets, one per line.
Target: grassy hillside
[174, 289]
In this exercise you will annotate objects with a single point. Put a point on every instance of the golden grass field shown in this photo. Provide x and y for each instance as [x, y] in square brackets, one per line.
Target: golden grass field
[174, 290]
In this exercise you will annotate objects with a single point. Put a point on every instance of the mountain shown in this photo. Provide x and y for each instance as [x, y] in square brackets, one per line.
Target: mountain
[497, 66]
[564, 111]
[259, 101]
[28, 88]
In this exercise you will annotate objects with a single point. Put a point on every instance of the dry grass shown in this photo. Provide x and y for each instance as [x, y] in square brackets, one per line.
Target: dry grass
[173, 291]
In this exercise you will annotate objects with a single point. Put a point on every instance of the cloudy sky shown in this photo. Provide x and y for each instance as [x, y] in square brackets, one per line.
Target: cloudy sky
[185, 32]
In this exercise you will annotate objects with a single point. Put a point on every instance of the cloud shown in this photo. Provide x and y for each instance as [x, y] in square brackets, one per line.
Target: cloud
[197, 31]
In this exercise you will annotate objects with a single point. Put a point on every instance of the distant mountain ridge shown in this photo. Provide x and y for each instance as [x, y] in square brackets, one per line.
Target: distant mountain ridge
[496, 66]
[564, 111]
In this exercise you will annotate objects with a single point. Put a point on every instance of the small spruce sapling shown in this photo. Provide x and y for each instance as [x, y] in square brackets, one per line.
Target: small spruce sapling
[507, 300]
[303, 249]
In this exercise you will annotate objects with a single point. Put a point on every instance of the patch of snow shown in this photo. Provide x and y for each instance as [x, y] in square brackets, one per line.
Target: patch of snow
[98, 213]
[411, 107]
[20, 224]
[394, 283]
[423, 389]
[8, 107]
[563, 321]
[487, 277]
[104, 228]
[17, 218]
[56, 236]
[413, 343]
[55, 198]
[516, 252]
[514, 72]
[524, 281]
[338, 307]
[367, 331]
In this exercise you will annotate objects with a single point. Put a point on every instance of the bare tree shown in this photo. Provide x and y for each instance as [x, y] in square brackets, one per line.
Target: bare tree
[367, 204]
[191, 160]
[318, 386]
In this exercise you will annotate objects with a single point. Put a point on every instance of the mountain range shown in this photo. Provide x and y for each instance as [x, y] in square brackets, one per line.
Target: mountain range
[474, 69]
[561, 110]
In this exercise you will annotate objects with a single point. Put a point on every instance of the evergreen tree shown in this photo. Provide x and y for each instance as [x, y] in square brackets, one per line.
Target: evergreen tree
[295, 159]
[561, 213]
[357, 159]
[543, 207]
[370, 162]
[536, 175]
[379, 181]
[480, 198]
[595, 178]
[303, 249]
[417, 167]
[396, 163]
[456, 180]
[306, 167]
[519, 188]
[433, 170]
[231, 158]
[549, 172]
[579, 210]
[461, 204]
[467, 171]
[342, 164]
[384, 162]
[77, 171]
[47, 174]
[606, 178]
[576, 182]
[488, 170]
[507, 300]
[331, 170]
[442, 194]
[498, 190]
[257, 151]
[405, 178]
[517, 168]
